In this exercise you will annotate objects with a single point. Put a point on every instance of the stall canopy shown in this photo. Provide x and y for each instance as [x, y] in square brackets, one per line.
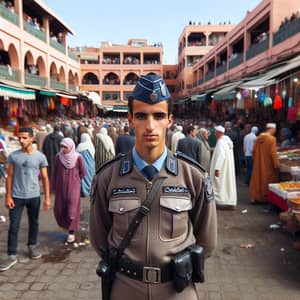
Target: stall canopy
[198, 98]
[227, 92]
[18, 93]
[120, 108]
[181, 101]
[66, 96]
[269, 77]
[107, 108]
[95, 98]
[47, 93]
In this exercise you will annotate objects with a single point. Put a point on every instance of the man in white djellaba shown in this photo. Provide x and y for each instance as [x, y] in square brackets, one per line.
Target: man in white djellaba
[222, 171]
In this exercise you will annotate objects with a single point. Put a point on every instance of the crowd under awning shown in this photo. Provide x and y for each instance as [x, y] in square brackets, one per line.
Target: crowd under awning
[227, 92]
[270, 76]
[18, 93]
[198, 98]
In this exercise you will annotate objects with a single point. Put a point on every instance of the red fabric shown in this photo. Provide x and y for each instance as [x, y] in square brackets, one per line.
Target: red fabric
[277, 200]
[65, 101]
[277, 104]
[292, 114]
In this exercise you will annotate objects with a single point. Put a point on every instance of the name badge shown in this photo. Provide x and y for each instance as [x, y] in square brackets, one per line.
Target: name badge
[175, 189]
[122, 191]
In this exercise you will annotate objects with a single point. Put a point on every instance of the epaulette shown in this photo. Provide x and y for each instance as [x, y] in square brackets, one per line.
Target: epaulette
[109, 162]
[190, 160]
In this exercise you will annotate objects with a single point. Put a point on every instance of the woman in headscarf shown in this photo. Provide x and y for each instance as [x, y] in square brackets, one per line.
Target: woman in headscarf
[205, 148]
[87, 150]
[66, 181]
[104, 146]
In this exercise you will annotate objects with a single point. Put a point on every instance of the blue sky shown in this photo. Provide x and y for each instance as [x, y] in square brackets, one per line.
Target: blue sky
[118, 21]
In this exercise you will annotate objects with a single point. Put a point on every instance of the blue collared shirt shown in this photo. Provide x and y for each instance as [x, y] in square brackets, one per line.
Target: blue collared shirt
[141, 164]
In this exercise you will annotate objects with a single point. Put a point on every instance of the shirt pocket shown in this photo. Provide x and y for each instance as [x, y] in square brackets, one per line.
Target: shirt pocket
[174, 218]
[124, 209]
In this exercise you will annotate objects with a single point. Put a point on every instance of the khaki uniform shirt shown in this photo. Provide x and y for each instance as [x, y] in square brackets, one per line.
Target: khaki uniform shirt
[180, 216]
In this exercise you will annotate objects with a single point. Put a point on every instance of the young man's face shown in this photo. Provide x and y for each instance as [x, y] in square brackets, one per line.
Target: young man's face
[25, 140]
[150, 122]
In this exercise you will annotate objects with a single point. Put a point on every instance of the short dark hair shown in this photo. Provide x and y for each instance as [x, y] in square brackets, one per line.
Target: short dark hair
[126, 128]
[130, 105]
[190, 129]
[29, 130]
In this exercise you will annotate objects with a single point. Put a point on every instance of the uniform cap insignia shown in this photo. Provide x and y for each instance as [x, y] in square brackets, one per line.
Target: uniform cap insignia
[153, 96]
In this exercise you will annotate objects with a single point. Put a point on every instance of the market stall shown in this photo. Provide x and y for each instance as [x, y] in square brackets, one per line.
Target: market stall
[289, 164]
[282, 194]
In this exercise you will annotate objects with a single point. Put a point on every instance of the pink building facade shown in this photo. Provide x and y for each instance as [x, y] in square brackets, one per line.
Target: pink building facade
[265, 36]
[113, 70]
[34, 51]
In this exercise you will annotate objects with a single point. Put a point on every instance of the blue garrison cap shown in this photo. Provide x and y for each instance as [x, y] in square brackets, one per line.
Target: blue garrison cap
[151, 89]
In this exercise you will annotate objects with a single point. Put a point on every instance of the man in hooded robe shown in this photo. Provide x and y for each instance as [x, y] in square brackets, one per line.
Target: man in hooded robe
[104, 148]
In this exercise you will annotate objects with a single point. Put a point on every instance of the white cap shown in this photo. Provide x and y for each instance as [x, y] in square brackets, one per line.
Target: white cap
[271, 125]
[220, 128]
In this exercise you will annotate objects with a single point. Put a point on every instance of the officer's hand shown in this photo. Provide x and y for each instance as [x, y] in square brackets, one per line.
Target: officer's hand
[9, 203]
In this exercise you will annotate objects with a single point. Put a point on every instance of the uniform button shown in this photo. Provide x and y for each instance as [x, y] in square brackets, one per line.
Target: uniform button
[121, 209]
[177, 208]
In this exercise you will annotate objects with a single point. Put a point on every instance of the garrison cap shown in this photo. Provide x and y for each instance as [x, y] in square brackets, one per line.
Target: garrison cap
[151, 89]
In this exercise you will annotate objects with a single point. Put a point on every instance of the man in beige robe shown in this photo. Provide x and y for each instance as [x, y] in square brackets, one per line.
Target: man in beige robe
[265, 164]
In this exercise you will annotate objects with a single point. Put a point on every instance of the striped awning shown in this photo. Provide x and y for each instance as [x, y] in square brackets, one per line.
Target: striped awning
[18, 93]
[227, 92]
[120, 108]
[198, 98]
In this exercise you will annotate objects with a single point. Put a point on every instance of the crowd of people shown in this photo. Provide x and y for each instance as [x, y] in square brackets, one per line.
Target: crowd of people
[124, 154]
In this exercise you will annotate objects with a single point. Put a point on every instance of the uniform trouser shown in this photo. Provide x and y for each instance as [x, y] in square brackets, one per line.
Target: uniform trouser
[127, 288]
[249, 165]
[15, 215]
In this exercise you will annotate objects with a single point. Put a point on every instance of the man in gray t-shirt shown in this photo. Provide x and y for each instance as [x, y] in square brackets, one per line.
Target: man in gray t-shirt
[23, 190]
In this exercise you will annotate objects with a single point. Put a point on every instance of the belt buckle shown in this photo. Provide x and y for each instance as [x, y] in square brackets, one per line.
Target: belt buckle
[151, 275]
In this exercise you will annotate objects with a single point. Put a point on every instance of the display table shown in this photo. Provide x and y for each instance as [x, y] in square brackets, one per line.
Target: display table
[290, 162]
[277, 200]
[280, 194]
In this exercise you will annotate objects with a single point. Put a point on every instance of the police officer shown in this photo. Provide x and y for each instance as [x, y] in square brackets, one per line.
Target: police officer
[183, 212]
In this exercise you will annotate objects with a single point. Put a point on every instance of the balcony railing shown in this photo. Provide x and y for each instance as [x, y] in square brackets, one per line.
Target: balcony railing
[8, 73]
[210, 75]
[73, 56]
[72, 87]
[8, 15]
[236, 61]
[37, 80]
[200, 81]
[286, 31]
[58, 46]
[221, 69]
[258, 48]
[35, 32]
[56, 85]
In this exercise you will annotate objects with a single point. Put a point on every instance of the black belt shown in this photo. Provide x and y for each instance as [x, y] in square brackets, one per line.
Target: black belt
[145, 273]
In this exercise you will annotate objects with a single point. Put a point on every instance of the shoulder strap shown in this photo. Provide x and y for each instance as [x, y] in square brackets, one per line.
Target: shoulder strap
[142, 212]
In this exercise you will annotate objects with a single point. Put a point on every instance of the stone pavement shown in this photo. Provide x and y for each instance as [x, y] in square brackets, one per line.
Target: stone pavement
[267, 271]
